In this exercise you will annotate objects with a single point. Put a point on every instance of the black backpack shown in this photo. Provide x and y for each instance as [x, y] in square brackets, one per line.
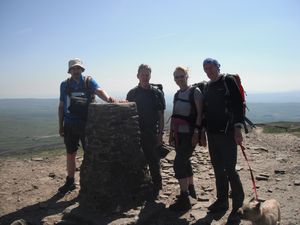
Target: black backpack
[237, 80]
[79, 104]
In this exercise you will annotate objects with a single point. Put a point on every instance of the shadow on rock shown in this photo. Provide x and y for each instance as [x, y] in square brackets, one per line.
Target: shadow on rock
[150, 213]
[157, 213]
[34, 214]
[209, 218]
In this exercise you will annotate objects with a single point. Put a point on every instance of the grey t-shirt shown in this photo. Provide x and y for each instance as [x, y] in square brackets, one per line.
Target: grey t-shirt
[184, 108]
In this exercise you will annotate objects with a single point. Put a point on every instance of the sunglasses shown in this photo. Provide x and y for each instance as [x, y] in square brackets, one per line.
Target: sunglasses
[76, 68]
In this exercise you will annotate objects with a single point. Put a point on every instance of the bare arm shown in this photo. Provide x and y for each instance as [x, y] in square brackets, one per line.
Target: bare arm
[198, 101]
[199, 123]
[61, 118]
[171, 134]
[103, 95]
[199, 107]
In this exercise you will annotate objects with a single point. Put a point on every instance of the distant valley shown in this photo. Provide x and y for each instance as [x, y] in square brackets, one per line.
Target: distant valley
[32, 124]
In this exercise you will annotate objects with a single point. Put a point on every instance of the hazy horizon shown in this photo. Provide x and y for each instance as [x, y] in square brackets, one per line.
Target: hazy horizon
[255, 97]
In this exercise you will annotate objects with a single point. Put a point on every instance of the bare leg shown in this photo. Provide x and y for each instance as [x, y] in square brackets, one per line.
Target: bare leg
[71, 167]
[71, 164]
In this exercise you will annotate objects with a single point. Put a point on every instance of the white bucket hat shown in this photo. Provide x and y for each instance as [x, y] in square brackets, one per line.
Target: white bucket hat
[75, 62]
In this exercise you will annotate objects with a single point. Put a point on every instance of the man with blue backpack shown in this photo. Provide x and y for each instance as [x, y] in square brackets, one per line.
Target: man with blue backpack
[76, 93]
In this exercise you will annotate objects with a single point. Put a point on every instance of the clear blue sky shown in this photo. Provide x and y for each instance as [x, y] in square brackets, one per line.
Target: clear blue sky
[257, 39]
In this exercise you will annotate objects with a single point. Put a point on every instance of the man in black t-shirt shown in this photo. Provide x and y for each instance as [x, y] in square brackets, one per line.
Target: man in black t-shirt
[150, 106]
[224, 118]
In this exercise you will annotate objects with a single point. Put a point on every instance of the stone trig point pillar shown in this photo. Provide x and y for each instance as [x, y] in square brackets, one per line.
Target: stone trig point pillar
[113, 172]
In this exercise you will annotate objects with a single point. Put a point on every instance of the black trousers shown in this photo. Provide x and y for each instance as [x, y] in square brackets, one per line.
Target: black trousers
[149, 145]
[223, 154]
[184, 150]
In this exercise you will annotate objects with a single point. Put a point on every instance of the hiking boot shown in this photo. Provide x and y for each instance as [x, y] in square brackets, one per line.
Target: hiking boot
[233, 218]
[218, 206]
[68, 186]
[181, 204]
[192, 191]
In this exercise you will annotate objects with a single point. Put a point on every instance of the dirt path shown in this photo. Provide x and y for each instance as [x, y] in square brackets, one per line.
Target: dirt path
[28, 186]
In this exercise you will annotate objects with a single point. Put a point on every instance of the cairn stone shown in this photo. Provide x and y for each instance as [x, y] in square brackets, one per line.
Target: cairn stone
[113, 173]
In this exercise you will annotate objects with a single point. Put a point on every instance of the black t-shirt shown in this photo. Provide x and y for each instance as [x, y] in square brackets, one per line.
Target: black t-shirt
[222, 111]
[149, 102]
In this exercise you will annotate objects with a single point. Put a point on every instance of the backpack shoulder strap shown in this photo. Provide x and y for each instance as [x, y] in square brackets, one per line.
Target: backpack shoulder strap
[68, 86]
[87, 86]
[158, 93]
[192, 100]
[224, 77]
[157, 90]
[157, 86]
[87, 81]
[176, 96]
[192, 94]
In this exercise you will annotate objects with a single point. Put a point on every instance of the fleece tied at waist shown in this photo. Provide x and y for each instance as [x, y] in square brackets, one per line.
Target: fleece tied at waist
[175, 123]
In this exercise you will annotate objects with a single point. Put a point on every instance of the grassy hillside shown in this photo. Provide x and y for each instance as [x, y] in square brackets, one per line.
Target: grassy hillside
[32, 124]
[282, 127]
[28, 124]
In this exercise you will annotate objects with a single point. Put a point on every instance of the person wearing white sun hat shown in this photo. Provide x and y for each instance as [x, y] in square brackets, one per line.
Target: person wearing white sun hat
[76, 93]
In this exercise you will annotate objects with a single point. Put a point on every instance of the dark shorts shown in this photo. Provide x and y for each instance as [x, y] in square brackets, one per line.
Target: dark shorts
[73, 133]
[184, 151]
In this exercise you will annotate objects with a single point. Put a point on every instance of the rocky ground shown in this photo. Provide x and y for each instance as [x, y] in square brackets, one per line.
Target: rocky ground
[28, 187]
